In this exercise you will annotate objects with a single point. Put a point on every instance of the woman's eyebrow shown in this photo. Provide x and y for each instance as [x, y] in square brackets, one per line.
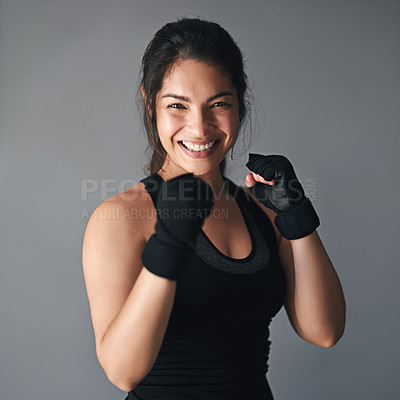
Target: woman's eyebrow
[187, 99]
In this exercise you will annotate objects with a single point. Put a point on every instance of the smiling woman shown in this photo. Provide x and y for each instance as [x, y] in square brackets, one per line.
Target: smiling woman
[205, 112]
[195, 40]
[181, 300]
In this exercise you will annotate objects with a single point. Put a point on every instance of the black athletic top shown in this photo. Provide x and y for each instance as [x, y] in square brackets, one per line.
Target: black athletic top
[216, 345]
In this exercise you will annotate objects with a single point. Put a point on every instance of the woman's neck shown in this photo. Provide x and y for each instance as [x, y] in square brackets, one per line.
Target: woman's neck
[214, 178]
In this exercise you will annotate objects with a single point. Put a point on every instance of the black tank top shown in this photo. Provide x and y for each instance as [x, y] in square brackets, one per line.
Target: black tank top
[218, 331]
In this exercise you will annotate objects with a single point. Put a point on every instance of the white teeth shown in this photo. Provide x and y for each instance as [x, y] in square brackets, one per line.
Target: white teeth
[196, 147]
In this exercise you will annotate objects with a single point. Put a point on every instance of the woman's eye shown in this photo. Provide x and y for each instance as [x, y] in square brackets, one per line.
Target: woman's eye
[176, 105]
[221, 104]
[182, 107]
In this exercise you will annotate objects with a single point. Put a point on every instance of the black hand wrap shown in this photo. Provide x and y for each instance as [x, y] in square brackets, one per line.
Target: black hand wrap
[183, 203]
[296, 216]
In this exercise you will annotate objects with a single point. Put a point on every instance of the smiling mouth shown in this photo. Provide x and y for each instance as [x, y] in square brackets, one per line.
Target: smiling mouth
[196, 147]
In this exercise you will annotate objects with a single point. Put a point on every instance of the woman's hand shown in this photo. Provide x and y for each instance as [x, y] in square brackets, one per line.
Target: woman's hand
[273, 182]
[183, 203]
[284, 192]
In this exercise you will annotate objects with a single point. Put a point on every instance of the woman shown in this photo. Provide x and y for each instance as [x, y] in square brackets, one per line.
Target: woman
[185, 270]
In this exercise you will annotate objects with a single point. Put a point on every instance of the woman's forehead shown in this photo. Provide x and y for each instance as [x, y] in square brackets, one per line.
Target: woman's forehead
[196, 76]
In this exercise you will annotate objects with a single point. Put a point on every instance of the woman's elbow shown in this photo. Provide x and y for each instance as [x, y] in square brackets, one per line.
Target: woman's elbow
[117, 375]
[329, 343]
[327, 339]
[122, 385]
[332, 340]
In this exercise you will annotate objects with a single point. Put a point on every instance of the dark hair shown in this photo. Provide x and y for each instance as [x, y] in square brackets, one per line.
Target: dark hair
[187, 38]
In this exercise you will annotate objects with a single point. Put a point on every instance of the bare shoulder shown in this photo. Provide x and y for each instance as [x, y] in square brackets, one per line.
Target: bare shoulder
[270, 213]
[127, 212]
[113, 243]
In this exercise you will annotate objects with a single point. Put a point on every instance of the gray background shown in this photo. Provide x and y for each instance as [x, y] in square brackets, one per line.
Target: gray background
[325, 75]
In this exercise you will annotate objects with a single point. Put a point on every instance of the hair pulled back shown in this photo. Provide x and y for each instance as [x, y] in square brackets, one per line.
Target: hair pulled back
[187, 38]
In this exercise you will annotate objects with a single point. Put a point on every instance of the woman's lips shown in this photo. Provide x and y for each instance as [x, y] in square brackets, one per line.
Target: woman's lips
[199, 154]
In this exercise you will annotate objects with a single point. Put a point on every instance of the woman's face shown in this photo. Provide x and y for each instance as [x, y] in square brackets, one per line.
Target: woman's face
[196, 106]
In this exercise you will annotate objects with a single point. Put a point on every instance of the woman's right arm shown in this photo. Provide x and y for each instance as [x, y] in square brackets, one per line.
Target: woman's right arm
[130, 306]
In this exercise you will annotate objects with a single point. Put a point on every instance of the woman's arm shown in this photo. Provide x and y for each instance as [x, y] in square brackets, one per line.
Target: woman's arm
[130, 306]
[315, 301]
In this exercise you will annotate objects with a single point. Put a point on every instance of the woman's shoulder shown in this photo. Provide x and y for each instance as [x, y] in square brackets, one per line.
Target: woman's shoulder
[270, 213]
[130, 210]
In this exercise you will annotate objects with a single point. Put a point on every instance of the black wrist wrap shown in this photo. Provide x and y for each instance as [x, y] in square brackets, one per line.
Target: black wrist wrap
[165, 260]
[299, 222]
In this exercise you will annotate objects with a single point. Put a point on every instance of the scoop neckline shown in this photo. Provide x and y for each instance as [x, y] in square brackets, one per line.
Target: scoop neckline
[230, 185]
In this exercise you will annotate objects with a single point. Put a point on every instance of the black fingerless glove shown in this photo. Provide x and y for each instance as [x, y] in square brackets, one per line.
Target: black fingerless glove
[183, 203]
[296, 216]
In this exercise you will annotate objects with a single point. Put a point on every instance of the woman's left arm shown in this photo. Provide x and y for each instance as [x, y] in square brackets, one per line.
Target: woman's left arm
[315, 301]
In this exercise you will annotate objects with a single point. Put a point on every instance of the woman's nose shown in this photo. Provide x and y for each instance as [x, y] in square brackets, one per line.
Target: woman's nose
[199, 122]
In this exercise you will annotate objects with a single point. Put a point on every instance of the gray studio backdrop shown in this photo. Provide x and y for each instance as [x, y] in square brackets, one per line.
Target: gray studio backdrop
[325, 76]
